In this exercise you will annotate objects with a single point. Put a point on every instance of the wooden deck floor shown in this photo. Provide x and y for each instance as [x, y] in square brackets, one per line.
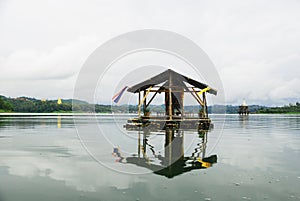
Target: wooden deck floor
[161, 122]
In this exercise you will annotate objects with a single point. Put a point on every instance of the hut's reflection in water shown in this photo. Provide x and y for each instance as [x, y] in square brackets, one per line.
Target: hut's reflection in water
[172, 160]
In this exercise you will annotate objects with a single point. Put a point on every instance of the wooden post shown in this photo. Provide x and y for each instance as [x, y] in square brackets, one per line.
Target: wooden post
[145, 105]
[139, 109]
[170, 96]
[170, 104]
[182, 105]
[204, 105]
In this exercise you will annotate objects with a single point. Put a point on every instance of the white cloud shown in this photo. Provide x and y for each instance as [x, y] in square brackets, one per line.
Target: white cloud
[254, 44]
[273, 82]
[31, 72]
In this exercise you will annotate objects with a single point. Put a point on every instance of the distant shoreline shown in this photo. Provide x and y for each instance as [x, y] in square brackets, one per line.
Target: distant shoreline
[62, 114]
[11, 114]
[72, 106]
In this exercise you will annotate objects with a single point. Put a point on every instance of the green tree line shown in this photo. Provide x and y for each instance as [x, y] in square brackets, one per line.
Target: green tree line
[32, 105]
[5, 106]
[287, 109]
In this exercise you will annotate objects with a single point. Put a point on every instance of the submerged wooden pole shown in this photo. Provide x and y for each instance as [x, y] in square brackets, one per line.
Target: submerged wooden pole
[139, 144]
[168, 145]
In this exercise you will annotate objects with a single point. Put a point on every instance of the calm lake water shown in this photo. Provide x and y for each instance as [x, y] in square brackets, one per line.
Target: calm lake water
[242, 158]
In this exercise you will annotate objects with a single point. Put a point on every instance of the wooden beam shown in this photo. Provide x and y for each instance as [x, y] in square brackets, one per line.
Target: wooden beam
[151, 99]
[165, 90]
[186, 88]
[201, 102]
[176, 90]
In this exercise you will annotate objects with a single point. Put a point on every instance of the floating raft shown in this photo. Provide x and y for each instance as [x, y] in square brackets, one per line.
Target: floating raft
[159, 123]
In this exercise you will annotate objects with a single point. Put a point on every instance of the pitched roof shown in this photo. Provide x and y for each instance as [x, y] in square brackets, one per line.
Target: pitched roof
[167, 77]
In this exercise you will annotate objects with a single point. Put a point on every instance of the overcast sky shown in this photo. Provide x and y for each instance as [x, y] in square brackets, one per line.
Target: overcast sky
[255, 45]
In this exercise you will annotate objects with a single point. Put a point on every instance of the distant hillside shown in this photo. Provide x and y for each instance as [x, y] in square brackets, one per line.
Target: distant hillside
[75, 101]
[221, 109]
[32, 105]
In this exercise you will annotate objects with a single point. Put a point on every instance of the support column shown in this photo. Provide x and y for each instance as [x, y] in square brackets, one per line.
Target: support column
[181, 103]
[139, 109]
[170, 104]
[170, 96]
[145, 103]
[205, 105]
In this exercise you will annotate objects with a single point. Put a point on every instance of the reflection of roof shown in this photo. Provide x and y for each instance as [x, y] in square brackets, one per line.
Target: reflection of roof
[176, 168]
[169, 76]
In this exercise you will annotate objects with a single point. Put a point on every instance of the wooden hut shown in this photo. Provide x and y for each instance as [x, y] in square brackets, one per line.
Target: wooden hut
[173, 85]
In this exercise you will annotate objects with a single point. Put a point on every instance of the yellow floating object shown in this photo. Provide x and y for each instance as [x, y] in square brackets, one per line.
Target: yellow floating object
[59, 102]
[204, 164]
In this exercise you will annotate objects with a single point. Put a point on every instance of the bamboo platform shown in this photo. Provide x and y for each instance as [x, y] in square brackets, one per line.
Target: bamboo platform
[161, 123]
